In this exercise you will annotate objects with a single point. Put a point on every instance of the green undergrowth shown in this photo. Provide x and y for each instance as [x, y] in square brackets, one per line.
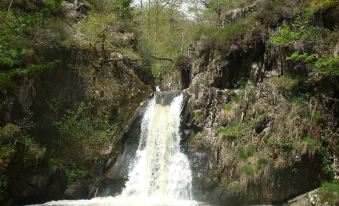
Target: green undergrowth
[230, 105]
[329, 192]
[237, 30]
[18, 57]
[87, 135]
[18, 149]
[197, 115]
[318, 42]
[68, 138]
[73, 174]
[233, 131]
[245, 153]
[250, 26]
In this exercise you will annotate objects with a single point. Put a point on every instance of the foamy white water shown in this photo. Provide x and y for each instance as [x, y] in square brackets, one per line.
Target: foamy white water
[160, 173]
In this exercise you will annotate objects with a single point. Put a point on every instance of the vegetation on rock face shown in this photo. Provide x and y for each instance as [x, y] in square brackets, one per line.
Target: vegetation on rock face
[17, 149]
[288, 113]
[329, 192]
[317, 42]
[72, 74]
[74, 67]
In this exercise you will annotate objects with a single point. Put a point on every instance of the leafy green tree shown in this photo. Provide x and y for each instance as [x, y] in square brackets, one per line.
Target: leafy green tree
[123, 8]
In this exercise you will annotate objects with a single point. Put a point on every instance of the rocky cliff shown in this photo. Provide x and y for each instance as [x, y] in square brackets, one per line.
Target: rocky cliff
[57, 123]
[262, 128]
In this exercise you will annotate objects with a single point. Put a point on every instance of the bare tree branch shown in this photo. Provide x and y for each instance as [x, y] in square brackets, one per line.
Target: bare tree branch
[162, 58]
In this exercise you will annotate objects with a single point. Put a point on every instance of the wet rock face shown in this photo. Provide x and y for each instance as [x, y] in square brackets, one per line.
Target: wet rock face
[204, 100]
[201, 165]
[224, 70]
[276, 187]
[170, 83]
[329, 16]
[37, 188]
[165, 98]
[213, 168]
[116, 167]
[77, 190]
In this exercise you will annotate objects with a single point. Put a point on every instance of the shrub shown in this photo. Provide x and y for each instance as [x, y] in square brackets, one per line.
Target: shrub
[232, 132]
[33, 151]
[286, 147]
[261, 163]
[236, 30]
[301, 99]
[248, 170]
[272, 11]
[87, 135]
[328, 66]
[284, 36]
[245, 153]
[73, 174]
[312, 144]
[221, 38]
[304, 57]
[8, 132]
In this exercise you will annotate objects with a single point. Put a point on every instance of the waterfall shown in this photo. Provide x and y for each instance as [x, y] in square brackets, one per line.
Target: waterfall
[160, 168]
[160, 173]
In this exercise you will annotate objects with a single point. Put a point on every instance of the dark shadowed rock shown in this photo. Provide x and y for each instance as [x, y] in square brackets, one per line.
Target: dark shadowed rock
[77, 190]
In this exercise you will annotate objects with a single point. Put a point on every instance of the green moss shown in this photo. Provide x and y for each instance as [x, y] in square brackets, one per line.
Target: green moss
[215, 174]
[198, 136]
[322, 4]
[197, 115]
[329, 192]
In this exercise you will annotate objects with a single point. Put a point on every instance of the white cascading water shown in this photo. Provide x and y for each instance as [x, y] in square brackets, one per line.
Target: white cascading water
[160, 173]
[160, 169]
